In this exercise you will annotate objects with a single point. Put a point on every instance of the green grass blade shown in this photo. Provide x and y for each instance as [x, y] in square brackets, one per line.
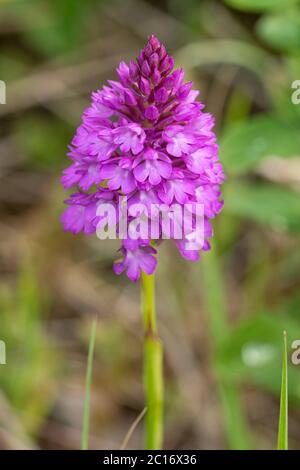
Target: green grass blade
[88, 383]
[283, 414]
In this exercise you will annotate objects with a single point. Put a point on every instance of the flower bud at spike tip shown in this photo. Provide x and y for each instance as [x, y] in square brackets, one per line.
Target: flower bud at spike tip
[152, 113]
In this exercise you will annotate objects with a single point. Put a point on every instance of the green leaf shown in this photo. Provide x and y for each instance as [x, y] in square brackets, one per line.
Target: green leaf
[283, 414]
[229, 51]
[246, 144]
[88, 385]
[281, 31]
[259, 5]
[253, 350]
[273, 205]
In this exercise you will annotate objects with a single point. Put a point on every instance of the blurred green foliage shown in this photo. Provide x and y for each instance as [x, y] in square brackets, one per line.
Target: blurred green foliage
[245, 145]
[250, 353]
[43, 139]
[244, 55]
[259, 5]
[33, 360]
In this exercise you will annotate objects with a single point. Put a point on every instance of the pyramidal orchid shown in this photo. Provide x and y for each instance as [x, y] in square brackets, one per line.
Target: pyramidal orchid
[144, 137]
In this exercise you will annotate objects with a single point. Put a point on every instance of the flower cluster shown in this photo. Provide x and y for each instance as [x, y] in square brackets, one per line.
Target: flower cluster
[144, 137]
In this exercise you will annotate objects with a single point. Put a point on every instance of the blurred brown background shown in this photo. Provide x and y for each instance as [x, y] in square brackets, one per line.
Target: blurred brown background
[221, 320]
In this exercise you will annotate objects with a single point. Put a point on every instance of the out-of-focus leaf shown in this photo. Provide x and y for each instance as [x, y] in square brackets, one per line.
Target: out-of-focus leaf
[216, 20]
[227, 51]
[259, 5]
[280, 30]
[253, 351]
[60, 25]
[245, 144]
[43, 141]
[273, 205]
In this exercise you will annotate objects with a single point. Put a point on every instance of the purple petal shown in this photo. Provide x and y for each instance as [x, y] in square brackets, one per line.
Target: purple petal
[148, 263]
[128, 182]
[141, 172]
[133, 270]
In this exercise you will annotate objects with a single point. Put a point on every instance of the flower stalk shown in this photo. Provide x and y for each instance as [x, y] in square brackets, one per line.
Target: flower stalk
[153, 367]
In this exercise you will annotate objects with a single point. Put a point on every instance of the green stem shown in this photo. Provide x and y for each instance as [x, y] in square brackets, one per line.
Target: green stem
[153, 373]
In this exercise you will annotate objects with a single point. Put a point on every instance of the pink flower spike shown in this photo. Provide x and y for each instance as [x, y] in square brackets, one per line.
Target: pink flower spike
[144, 138]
